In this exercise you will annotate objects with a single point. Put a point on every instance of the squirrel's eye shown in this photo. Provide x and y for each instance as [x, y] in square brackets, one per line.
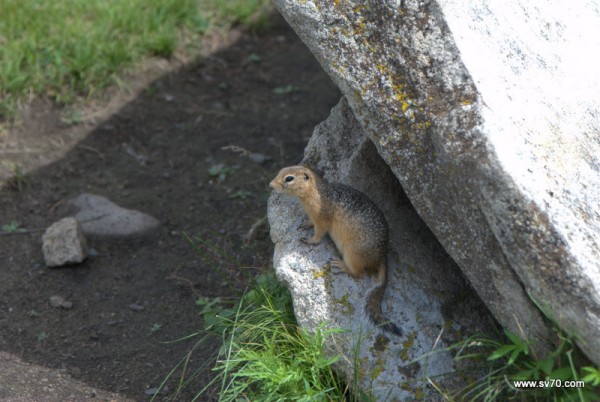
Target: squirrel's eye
[289, 179]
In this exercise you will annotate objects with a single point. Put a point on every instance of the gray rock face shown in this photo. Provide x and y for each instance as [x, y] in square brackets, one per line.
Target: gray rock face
[63, 243]
[426, 295]
[488, 114]
[101, 217]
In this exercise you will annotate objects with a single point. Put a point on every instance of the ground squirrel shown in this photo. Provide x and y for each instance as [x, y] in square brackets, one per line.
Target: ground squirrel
[355, 224]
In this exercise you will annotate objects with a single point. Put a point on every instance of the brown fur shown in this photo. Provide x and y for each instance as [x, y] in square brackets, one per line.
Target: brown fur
[354, 223]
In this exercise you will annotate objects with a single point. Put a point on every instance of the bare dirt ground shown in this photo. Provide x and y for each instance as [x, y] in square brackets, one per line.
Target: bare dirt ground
[161, 153]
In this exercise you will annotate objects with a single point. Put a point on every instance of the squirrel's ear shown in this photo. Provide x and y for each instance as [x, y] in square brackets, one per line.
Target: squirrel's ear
[305, 176]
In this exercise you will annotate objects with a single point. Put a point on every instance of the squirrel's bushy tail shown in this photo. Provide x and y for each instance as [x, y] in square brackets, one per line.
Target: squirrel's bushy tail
[373, 306]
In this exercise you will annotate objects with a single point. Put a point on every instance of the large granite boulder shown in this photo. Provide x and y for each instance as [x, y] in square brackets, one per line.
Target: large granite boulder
[489, 116]
[427, 295]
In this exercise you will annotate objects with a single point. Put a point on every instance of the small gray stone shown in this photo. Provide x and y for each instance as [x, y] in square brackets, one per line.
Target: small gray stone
[155, 390]
[259, 158]
[151, 391]
[63, 243]
[59, 302]
[136, 307]
[99, 216]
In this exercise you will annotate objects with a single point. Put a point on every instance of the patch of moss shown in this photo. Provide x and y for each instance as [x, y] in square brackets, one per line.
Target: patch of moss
[347, 307]
[448, 324]
[406, 345]
[320, 274]
[363, 363]
[419, 394]
[378, 368]
[422, 125]
[358, 8]
[377, 350]
[383, 69]
[380, 345]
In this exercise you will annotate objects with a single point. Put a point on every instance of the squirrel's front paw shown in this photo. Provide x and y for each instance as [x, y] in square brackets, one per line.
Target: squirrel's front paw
[306, 225]
[337, 266]
[312, 240]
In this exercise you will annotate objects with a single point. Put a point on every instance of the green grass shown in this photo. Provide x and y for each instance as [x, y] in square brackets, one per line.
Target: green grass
[265, 356]
[18, 181]
[12, 227]
[251, 13]
[61, 49]
[511, 359]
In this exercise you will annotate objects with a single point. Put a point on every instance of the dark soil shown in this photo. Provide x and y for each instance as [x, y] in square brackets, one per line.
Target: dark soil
[155, 155]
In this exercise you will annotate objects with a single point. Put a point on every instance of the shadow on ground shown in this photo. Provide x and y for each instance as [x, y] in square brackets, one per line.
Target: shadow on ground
[161, 154]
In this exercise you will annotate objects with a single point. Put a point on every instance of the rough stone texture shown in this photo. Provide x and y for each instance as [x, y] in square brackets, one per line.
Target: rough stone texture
[63, 243]
[101, 217]
[21, 381]
[488, 114]
[426, 296]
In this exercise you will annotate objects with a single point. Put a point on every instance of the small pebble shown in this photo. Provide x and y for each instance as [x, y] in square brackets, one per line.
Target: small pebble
[259, 158]
[136, 307]
[60, 302]
[151, 391]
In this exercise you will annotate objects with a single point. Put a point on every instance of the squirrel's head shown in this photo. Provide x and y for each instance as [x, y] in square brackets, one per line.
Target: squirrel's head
[298, 181]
